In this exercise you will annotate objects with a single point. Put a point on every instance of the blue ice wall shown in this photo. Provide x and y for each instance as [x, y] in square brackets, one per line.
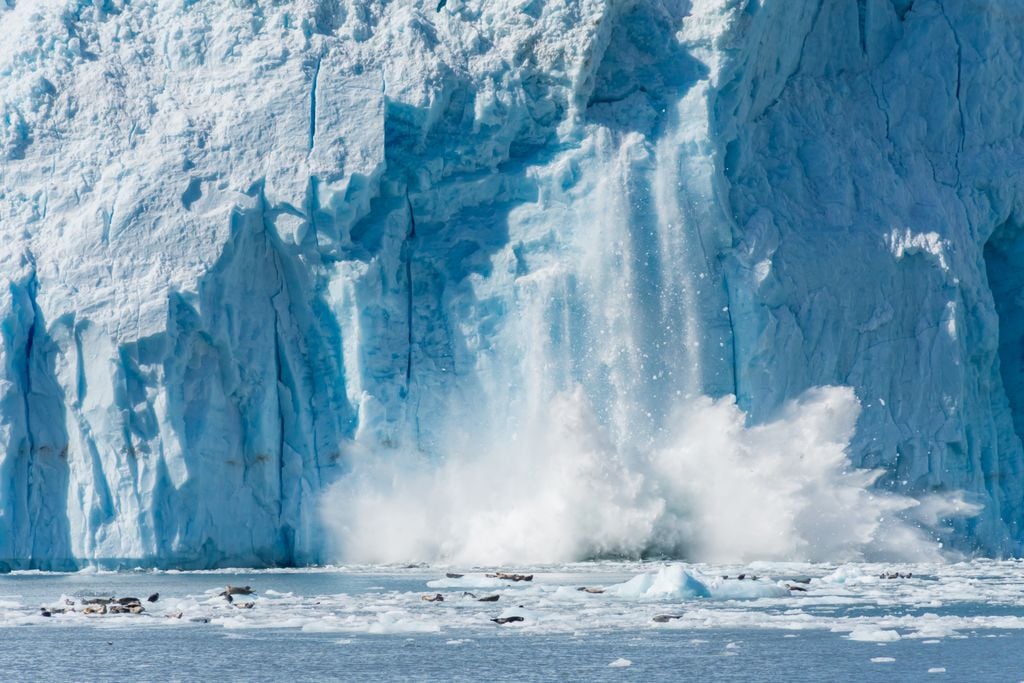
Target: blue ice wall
[247, 243]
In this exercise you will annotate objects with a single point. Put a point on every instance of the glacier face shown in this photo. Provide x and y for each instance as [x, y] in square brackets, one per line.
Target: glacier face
[248, 244]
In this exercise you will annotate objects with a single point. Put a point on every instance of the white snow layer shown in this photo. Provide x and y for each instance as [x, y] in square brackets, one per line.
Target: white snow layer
[254, 248]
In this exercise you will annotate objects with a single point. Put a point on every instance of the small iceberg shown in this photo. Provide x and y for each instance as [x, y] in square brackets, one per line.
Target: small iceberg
[683, 582]
[673, 581]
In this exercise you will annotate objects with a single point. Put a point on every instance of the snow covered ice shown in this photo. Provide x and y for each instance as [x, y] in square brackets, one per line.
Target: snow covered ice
[490, 281]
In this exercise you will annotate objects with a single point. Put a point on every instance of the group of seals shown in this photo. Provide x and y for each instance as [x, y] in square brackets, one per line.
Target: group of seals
[496, 575]
[131, 605]
[510, 577]
[438, 597]
[101, 606]
[896, 575]
[789, 586]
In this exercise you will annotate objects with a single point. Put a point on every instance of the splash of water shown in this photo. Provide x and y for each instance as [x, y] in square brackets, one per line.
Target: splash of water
[559, 490]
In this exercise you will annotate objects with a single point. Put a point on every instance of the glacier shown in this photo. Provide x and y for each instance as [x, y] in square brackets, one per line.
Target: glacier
[251, 245]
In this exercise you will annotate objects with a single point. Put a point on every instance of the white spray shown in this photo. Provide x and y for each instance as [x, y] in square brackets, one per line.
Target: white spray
[560, 490]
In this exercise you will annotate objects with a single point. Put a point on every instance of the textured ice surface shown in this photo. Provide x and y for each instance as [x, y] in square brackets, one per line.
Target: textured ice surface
[247, 247]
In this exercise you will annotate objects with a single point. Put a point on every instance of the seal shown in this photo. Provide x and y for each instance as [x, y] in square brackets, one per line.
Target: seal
[50, 611]
[488, 598]
[436, 597]
[507, 620]
[153, 598]
[665, 618]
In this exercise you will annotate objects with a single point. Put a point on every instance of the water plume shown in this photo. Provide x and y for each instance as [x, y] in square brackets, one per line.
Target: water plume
[713, 488]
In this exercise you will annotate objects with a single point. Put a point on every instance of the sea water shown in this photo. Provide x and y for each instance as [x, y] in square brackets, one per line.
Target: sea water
[951, 621]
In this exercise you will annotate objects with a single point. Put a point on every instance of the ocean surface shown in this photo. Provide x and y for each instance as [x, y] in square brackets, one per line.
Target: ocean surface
[956, 622]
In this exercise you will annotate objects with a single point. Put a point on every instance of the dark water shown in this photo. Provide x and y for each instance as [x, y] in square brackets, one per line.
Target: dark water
[210, 653]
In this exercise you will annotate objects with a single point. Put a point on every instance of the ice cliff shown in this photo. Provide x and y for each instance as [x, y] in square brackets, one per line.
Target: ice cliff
[249, 243]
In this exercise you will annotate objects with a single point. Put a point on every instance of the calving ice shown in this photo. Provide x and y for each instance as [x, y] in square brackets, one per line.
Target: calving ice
[496, 281]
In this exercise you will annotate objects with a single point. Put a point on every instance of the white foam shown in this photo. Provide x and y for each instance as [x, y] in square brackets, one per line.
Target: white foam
[561, 487]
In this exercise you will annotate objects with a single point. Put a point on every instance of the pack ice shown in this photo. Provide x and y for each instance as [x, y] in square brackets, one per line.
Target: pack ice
[249, 245]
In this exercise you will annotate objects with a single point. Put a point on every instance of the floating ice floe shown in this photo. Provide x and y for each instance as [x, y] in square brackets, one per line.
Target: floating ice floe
[873, 634]
[691, 599]
[681, 581]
